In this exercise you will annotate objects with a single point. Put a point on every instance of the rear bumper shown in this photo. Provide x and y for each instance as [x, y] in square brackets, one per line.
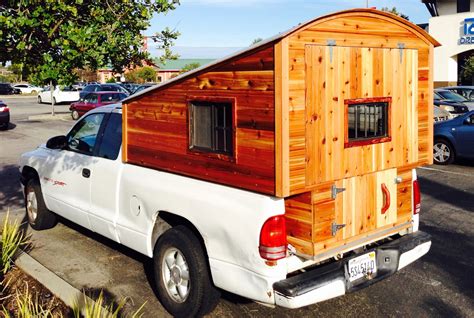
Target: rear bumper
[330, 281]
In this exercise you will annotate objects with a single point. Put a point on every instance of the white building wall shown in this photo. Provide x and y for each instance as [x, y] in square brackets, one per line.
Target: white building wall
[448, 30]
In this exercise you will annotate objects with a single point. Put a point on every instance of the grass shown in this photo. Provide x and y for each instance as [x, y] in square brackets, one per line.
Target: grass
[12, 239]
[98, 309]
[27, 307]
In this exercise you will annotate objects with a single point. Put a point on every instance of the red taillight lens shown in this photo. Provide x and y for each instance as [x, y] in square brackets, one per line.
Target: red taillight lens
[273, 238]
[416, 198]
[4, 109]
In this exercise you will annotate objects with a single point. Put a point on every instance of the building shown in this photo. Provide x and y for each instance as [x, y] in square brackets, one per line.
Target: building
[172, 68]
[452, 24]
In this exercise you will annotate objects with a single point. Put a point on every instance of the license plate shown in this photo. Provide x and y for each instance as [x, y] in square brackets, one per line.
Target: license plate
[362, 266]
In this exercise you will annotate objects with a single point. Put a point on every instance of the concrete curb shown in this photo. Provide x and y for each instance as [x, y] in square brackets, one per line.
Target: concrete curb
[60, 288]
[58, 116]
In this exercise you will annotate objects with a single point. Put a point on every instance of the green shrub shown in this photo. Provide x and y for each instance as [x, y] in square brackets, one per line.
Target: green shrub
[98, 309]
[27, 307]
[12, 239]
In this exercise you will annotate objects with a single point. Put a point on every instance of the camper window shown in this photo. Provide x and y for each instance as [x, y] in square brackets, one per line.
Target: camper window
[367, 121]
[210, 127]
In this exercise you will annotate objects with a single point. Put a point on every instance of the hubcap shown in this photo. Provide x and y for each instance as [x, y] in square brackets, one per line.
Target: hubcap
[441, 152]
[31, 205]
[175, 273]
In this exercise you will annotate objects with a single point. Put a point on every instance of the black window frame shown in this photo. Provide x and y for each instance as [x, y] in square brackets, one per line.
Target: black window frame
[463, 6]
[228, 128]
[371, 137]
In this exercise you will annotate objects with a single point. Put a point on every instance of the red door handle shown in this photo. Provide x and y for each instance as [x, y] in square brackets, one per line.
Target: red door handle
[386, 195]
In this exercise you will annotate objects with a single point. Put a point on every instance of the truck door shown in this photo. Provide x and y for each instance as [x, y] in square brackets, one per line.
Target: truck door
[105, 177]
[66, 175]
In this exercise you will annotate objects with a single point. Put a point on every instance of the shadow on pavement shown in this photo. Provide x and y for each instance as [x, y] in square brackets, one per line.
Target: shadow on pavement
[443, 192]
[10, 126]
[10, 188]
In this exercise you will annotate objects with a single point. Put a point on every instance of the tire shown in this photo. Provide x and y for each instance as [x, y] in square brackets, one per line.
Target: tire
[39, 217]
[443, 152]
[75, 115]
[198, 296]
[40, 101]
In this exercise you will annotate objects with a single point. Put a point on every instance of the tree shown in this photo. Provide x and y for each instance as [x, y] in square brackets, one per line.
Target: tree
[467, 69]
[52, 38]
[141, 75]
[395, 11]
[189, 67]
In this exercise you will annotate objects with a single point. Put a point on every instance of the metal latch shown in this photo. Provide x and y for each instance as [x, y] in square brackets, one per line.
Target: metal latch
[335, 191]
[336, 227]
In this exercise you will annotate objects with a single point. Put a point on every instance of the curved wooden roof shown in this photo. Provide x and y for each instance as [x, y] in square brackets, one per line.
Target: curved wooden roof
[389, 17]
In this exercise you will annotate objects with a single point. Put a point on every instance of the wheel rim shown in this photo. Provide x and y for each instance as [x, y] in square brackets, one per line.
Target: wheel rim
[441, 152]
[32, 205]
[75, 115]
[175, 273]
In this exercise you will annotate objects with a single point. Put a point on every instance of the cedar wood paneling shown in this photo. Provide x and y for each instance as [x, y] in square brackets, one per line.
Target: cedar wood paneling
[157, 126]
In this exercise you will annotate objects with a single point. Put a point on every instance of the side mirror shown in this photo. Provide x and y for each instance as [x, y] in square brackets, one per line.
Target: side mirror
[58, 142]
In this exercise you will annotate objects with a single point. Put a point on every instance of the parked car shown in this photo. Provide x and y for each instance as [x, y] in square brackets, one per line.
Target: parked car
[455, 109]
[8, 89]
[440, 114]
[142, 87]
[454, 138]
[102, 88]
[465, 91]
[94, 100]
[27, 88]
[60, 95]
[4, 115]
[452, 97]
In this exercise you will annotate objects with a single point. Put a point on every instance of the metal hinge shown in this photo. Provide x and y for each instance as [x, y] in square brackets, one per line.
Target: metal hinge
[401, 47]
[336, 227]
[335, 191]
[331, 44]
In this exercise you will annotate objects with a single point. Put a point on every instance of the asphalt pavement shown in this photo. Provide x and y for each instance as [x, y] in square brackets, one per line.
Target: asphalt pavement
[439, 285]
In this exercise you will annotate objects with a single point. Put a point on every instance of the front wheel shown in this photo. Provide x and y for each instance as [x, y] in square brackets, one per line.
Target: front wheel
[182, 276]
[39, 217]
[75, 115]
[443, 152]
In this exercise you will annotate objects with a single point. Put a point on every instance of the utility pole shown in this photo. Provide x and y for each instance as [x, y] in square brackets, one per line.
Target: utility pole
[367, 4]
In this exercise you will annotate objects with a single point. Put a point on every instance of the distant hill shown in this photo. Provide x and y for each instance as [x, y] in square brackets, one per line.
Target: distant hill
[176, 65]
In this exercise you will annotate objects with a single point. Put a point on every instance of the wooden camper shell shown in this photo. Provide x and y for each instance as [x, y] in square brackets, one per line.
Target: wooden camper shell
[275, 120]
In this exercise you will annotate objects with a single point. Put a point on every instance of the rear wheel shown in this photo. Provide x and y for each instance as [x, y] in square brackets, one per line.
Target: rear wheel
[182, 276]
[75, 115]
[39, 217]
[443, 152]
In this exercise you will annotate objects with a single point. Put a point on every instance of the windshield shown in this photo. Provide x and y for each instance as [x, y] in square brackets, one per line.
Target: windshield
[452, 96]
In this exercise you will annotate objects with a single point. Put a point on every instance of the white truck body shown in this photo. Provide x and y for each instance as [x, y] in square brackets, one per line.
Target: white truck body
[125, 203]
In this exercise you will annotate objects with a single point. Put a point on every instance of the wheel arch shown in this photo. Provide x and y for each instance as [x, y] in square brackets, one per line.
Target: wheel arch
[28, 173]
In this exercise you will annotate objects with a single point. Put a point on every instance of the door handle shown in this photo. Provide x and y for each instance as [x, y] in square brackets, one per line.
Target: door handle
[386, 195]
[86, 173]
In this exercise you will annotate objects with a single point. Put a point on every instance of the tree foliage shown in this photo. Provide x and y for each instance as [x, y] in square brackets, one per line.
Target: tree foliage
[467, 68]
[52, 38]
[255, 41]
[395, 11]
[189, 67]
[141, 75]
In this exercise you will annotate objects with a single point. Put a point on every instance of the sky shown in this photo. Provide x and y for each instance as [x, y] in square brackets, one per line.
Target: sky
[215, 28]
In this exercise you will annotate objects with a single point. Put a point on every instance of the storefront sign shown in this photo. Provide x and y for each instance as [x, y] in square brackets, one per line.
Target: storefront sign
[468, 32]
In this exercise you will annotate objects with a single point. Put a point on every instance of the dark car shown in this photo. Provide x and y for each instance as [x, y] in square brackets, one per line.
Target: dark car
[465, 91]
[4, 115]
[454, 108]
[7, 89]
[102, 88]
[142, 87]
[453, 97]
[454, 138]
[94, 100]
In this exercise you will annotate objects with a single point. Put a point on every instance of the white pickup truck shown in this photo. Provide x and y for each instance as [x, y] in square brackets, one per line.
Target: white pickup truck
[202, 236]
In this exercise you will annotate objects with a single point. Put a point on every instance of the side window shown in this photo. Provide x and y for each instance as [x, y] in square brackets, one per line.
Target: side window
[112, 138]
[210, 127]
[91, 98]
[83, 136]
[367, 121]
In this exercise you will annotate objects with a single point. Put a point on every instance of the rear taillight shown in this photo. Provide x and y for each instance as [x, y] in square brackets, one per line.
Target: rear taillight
[416, 198]
[273, 238]
[4, 109]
